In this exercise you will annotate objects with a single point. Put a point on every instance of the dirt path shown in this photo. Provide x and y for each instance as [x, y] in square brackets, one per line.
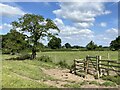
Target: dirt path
[62, 77]
[66, 78]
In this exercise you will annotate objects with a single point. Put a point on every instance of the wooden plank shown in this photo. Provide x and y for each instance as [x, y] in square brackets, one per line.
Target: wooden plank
[110, 65]
[111, 61]
[110, 69]
[79, 63]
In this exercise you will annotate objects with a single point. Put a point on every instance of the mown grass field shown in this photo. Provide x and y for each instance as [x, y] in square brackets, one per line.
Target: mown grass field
[13, 70]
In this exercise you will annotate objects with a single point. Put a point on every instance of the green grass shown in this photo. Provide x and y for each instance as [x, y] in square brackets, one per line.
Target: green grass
[69, 56]
[108, 83]
[115, 79]
[76, 85]
[32, 68]
[14, 70]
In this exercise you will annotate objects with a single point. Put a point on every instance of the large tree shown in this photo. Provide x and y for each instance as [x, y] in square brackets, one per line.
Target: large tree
[115, 44]
[54, 43]
[37, 26]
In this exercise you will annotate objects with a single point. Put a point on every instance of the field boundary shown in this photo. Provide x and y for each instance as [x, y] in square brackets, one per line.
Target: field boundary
[95, 65]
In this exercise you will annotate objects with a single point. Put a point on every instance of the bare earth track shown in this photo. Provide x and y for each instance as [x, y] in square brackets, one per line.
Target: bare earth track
[62, 77]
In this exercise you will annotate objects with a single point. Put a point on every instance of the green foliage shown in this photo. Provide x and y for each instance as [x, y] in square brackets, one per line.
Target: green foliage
[54, 43]
[44, 58]
[91, 46]
[94, 82]
[115, 44]
[67, 45]
[21, 57]
[108, 83]
[115, 79]
[63, 64]
[75, 85]
[37, 26]
[13, 42]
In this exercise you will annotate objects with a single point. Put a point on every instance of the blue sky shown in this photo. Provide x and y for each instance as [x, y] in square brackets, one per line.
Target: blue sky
[79, 22]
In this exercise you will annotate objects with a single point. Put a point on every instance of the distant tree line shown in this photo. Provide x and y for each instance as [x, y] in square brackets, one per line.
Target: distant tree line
[15, 42]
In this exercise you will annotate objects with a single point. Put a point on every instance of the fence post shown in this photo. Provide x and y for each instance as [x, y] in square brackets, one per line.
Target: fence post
[99, 59]
[97, 66]
[108, 56]
[86, 64]
[74, 67]
[108, 67]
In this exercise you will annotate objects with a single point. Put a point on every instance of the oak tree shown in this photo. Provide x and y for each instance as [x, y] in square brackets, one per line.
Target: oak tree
[37, 26]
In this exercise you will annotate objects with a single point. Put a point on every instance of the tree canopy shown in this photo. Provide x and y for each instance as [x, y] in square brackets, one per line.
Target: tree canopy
[37, 26]
[67, 45]
[54, 43]
[14, 42]
[91, 46]
[115, 44]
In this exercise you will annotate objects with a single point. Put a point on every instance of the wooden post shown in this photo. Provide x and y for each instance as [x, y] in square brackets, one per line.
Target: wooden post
[108, 64]
[99, 59]
[86, 64]
[74, 66]
[97, 66]
[108, 68]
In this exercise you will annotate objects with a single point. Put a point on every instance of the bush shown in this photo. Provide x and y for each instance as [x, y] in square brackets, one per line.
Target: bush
[22, 57]
[63, 64]
[44, 58]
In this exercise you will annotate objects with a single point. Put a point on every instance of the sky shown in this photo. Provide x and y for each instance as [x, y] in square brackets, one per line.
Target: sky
[79, 22]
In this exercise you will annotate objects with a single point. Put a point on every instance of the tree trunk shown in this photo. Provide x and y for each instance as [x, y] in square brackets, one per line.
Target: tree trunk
[33, 55]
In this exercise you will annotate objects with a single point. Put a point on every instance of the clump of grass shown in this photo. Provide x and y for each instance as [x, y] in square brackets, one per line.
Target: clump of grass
[63, 64]
[75, 85]
[83, 83]
[108, 83]
[94, 82]
[44, 58]
[115, 79]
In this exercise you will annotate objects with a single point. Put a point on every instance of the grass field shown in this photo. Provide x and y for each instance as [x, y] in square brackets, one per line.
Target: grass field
[24, 73]
[69, 56]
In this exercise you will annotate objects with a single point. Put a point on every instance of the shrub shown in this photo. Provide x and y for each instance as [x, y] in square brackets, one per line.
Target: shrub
[44, 58]
[63, 64]
[22, 57]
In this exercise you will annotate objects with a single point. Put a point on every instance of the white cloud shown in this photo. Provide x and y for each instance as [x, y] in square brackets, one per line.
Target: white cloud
[106, 37]
[113, 32]
[72, 34]
[82, 16]
[103, 24]
[58, 22]
[7, 10]
[83, 25]
[4, 28]
[81, 12]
